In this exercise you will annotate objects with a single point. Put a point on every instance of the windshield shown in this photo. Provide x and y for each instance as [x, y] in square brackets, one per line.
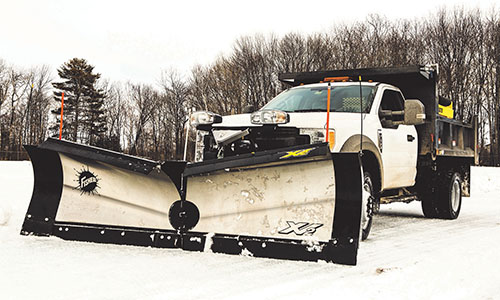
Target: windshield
[310, 99]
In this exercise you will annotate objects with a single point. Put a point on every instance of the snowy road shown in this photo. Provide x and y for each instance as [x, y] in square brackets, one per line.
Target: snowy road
[406, 257]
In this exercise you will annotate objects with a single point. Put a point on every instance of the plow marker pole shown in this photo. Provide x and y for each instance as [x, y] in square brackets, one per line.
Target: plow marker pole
[62, 109]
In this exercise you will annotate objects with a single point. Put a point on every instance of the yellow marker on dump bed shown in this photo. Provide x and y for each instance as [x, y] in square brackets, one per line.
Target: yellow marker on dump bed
[446, 111]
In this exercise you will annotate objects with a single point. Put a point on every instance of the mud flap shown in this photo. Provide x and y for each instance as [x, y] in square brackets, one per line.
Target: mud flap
[301, 203]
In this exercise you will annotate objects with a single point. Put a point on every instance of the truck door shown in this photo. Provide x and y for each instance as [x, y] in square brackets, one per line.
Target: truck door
[398, 142]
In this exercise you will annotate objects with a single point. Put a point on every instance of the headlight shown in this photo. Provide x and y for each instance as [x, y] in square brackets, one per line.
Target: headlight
[269, 117]
[315, 135]
[204, 118]
[318, 135]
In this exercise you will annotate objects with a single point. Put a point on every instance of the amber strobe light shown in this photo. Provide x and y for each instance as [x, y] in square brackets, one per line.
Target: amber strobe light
[336, 79]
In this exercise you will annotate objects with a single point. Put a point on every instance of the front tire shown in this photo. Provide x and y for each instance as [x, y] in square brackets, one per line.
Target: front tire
[368, 205]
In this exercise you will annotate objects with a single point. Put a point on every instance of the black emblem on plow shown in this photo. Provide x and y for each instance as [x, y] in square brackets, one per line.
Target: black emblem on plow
[87, 181]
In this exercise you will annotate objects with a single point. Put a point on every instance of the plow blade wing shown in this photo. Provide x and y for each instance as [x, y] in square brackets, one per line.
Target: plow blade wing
[299, 203]
[91, 194]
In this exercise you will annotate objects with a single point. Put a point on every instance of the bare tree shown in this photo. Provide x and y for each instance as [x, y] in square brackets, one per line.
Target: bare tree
[115, 108]
[176, 94]
[37, 105]
[144, 99]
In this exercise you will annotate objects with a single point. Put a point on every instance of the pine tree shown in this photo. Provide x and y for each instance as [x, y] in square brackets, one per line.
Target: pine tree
[84, 118]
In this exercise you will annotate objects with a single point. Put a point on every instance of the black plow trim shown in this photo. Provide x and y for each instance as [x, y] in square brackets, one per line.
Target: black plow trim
[113, 158]
[47, 189]
[107, 234]
[196, 241]
[348, 201]
[279, 156]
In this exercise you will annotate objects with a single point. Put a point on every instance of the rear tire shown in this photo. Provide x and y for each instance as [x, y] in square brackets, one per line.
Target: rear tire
[429, 207]
[450, 196]
[368, 206]
[446, 200]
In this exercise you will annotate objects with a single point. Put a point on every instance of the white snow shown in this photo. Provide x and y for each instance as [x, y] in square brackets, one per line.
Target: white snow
[406, 257]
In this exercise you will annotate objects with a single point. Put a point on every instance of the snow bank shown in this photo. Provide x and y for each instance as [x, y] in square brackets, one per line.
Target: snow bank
[485, 180]
[5, 213]
[406, 257]
[16, 186]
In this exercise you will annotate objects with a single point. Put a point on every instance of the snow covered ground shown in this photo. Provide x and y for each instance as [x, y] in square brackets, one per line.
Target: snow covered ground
[406, 257]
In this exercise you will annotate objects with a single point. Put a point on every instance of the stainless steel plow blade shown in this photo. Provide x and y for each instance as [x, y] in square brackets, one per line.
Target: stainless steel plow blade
[296, 203]
[91, 194]
[299, 203]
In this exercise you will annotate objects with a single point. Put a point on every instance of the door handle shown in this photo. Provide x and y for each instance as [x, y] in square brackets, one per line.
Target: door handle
[410, 138]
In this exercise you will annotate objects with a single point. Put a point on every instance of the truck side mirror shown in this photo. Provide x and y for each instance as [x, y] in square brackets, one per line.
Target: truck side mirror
[414, 112]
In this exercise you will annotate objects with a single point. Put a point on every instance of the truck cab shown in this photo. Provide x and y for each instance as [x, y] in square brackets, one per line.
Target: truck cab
[298, 116]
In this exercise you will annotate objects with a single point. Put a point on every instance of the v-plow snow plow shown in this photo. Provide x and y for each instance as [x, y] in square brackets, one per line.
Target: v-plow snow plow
[301, 202]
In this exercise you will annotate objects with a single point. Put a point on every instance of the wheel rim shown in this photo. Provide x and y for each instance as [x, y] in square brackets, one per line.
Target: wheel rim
[455, 195]
[367, 196]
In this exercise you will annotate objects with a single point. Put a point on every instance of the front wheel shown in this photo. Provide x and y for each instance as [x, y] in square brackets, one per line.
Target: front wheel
[367, 206]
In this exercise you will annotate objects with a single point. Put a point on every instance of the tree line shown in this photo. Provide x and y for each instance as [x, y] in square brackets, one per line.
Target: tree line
[149, 120]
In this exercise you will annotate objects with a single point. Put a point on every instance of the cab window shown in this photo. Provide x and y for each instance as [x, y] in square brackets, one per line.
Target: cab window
[391, 109]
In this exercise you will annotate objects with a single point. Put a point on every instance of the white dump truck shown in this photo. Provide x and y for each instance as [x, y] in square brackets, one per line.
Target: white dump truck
[410, 149]
[300, 178]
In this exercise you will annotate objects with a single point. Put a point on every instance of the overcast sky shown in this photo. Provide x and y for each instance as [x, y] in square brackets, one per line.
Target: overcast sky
[136, 40]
